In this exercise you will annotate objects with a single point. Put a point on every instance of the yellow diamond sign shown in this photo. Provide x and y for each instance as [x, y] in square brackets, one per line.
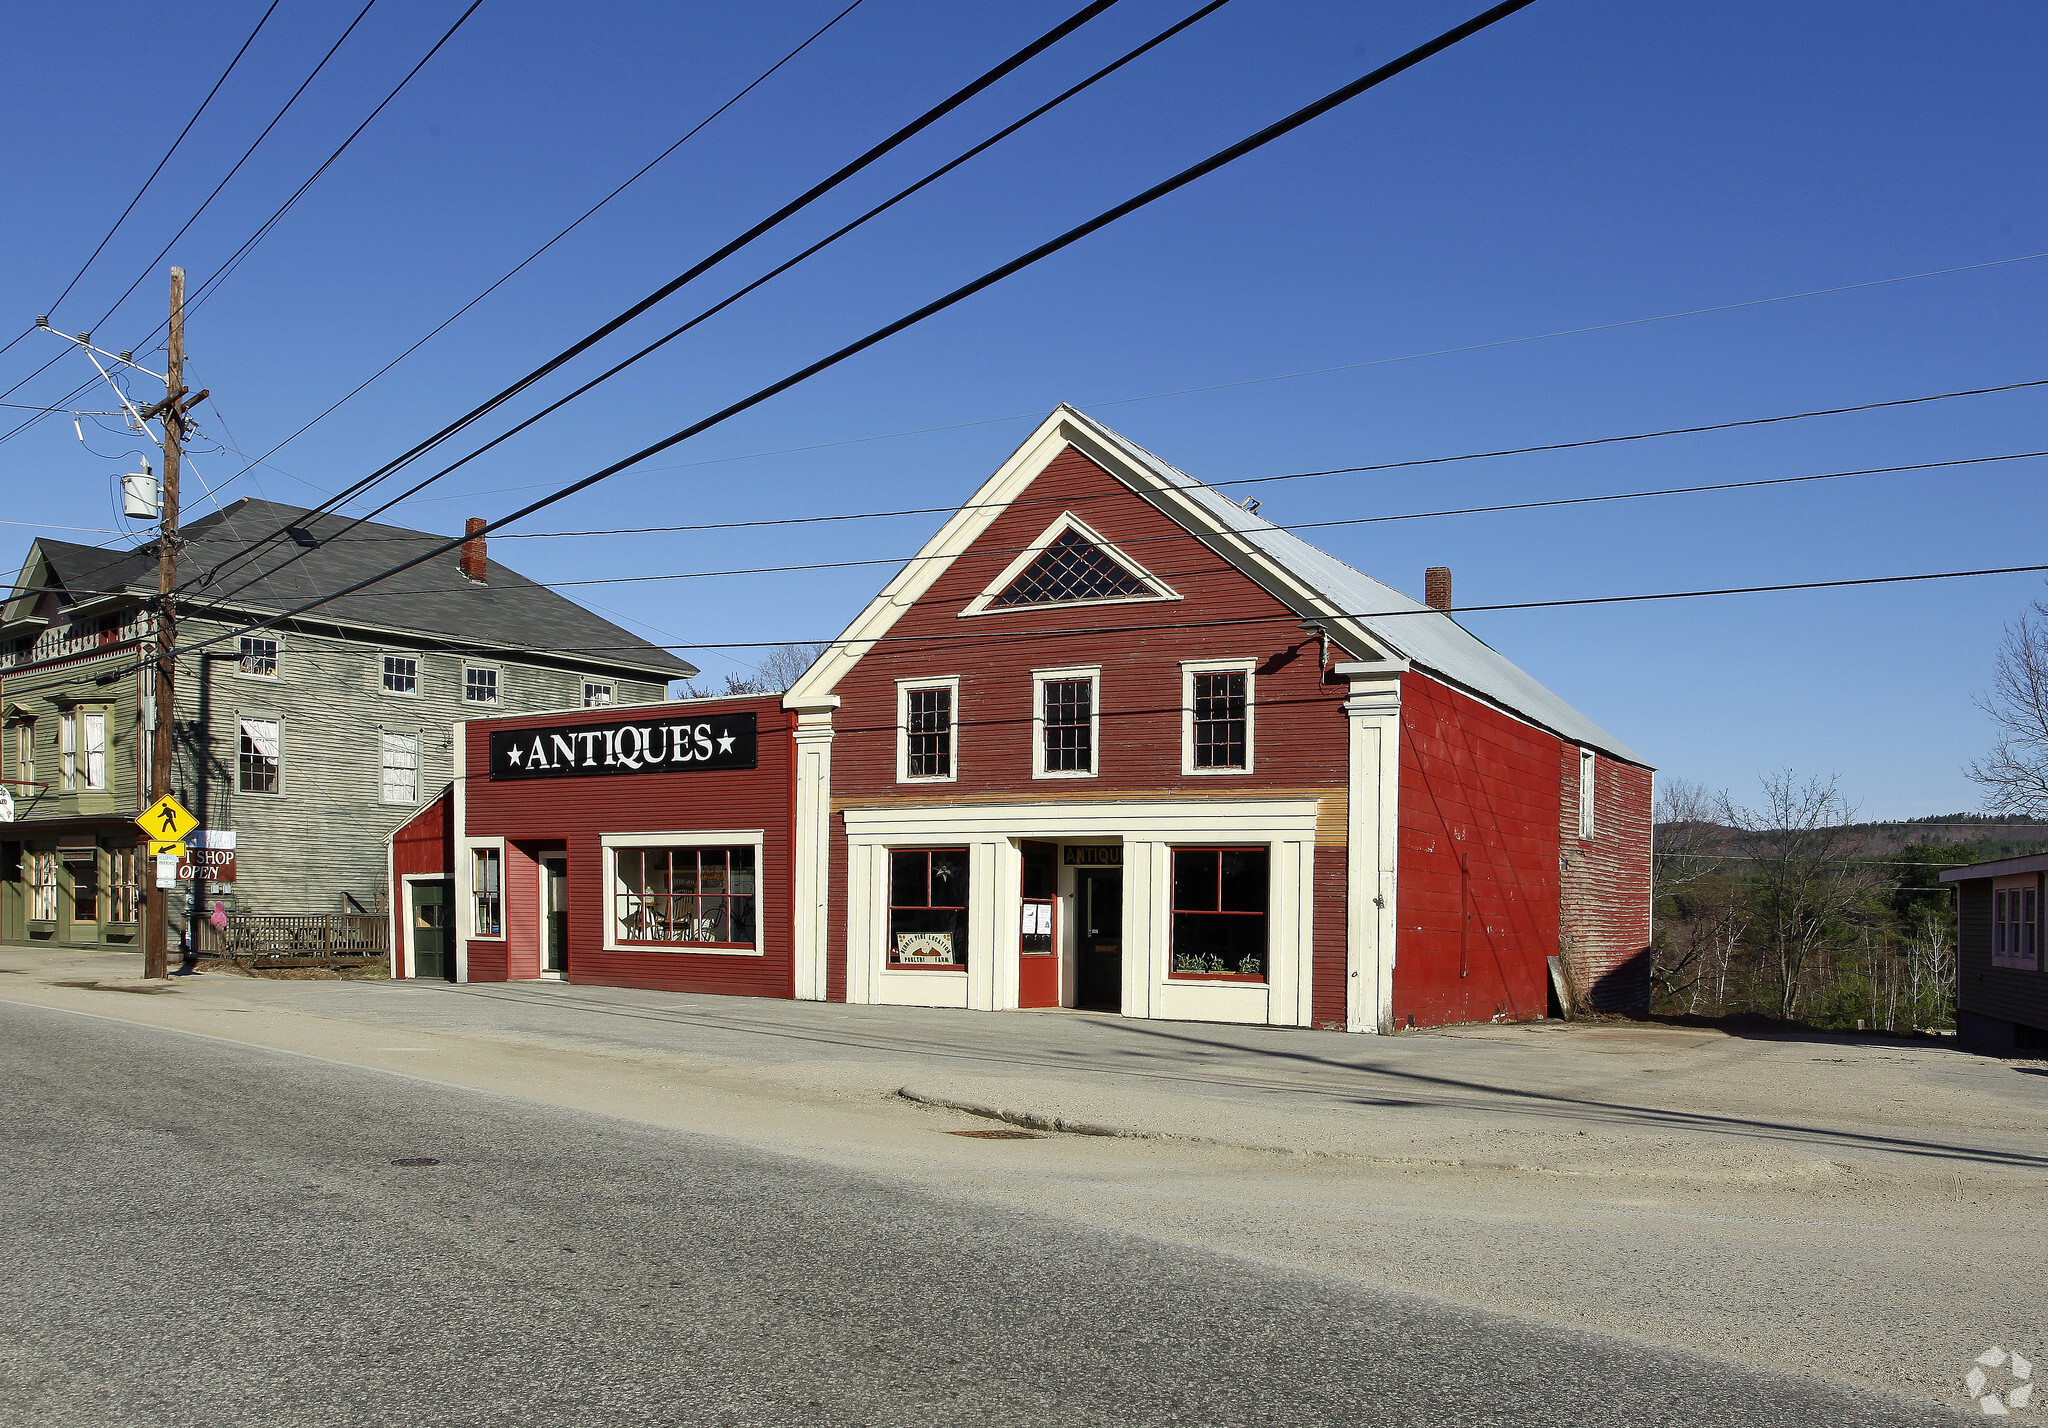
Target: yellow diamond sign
[167, 821]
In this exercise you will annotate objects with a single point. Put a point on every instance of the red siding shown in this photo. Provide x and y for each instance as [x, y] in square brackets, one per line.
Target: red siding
[424, 843]
[1328, 996]
[1300, 731]
[1478, 880]
[1605, 882]
[538, 815]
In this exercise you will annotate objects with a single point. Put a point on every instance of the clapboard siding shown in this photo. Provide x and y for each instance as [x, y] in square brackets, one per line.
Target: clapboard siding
[2010, 994]
[1478, 874]
[574, 814]
[318, 844]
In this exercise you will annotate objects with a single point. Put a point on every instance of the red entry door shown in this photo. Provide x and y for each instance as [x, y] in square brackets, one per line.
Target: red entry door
[1038, 960]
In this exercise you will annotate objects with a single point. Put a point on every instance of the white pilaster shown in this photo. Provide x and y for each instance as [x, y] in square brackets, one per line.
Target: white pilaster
[1373, 714]
[811, 842]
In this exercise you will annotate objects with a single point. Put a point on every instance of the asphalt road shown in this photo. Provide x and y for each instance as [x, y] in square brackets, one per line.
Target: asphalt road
[198, 1232]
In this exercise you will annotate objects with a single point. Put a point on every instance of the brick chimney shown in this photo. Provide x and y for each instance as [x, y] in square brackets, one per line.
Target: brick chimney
[1436, 585]
[472, 561]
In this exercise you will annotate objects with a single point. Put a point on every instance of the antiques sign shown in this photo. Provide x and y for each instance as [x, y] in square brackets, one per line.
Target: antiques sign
[656, 744]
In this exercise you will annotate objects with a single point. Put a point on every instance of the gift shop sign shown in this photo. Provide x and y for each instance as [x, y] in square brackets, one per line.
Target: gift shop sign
[653, 745]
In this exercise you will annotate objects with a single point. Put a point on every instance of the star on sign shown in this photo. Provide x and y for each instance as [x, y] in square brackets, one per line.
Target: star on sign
[512, 755]
[725, 743]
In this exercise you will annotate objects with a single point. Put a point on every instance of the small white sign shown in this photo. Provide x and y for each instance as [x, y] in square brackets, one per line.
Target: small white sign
[211, 838]
[167, 870]
[1037, 919]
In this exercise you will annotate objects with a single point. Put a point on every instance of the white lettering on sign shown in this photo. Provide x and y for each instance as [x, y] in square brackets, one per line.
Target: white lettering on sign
[723, 741]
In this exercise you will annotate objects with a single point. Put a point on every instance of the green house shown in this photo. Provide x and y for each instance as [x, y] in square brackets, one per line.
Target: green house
[310, 740]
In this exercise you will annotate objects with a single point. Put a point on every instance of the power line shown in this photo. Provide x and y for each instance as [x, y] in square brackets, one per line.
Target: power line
[260, 23]
[1044, 250]
[784, 267]
[207, 202]
[536, 253]
[1297, 526]
[901, 136]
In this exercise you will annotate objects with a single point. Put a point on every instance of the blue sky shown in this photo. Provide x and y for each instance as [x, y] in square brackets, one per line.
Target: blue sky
[1581, 164]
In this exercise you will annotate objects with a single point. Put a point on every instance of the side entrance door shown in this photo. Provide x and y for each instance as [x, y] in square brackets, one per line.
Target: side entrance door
[1038, 962]
[1099, 938]
[433, 942]
[555, 953]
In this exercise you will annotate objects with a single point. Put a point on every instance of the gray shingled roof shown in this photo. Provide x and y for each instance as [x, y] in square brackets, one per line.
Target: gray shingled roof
[508, 612]
[1428, 639]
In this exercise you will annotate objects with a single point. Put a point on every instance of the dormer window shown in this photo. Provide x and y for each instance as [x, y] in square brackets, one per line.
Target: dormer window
[1069, 564]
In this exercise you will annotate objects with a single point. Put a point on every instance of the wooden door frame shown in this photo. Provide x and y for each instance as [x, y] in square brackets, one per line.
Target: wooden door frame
[403, 946]
[542, 858]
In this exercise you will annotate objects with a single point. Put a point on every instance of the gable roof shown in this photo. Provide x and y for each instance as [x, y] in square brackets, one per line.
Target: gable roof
[508, 613]
[1370, 618]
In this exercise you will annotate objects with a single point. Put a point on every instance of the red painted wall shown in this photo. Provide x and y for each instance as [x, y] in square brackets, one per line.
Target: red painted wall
[536, 815]
[1477, 886]
[422, 844]
[1605, 882]
[1300, 731]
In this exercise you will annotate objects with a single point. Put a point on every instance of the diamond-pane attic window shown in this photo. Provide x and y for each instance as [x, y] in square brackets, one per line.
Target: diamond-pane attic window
[1071, 568]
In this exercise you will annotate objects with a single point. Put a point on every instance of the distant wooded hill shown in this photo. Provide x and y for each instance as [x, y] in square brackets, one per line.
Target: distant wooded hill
[1987, 837]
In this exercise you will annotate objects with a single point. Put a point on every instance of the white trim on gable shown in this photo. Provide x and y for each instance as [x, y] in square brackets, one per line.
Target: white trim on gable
[1157, 589]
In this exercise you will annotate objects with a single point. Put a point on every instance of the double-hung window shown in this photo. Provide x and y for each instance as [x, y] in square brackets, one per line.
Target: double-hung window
[685, 896]
[92, 749]
[479, 686]
[928, 908]
[926, 729]
[67, 748]
[259, 657]
[596, 695]
[487, 892]
[401, 675]
[401, 767]
[261, 762]
[1220, 903]
[25, 758]
[1216, 716]
[2016, 924]
[1066, 719]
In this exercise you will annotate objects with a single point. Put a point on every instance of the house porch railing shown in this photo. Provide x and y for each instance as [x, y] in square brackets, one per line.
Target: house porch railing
[298, 939]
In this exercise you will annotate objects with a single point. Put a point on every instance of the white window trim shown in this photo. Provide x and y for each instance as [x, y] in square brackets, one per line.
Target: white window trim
[67, 749]
[1039, 679]
[419, 674]
[707, 838]
[382, 797]
[903, 688]
[465, 892]
[276, 720]
[1588, 767]
[1068, 521]
[497, 688]
[610, 687]
[273, 677]
[1188, 670]
[2010, 960]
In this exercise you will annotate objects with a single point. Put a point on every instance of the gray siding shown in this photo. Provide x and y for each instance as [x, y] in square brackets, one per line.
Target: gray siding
[2004, 993]
[317, 844]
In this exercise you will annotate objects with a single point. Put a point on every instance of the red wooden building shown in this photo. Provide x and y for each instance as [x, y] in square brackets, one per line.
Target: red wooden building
[1109, 740]
[1113, 740]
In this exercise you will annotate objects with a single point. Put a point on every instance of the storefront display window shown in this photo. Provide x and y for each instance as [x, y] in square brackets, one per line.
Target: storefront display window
[928, 908]
[124, 891]
[1040, 882]
[42, 887]
[685, 896]
[1220, 899]
[85, 890]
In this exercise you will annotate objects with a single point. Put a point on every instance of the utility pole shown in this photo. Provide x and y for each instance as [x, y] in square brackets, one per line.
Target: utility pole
[156, 922]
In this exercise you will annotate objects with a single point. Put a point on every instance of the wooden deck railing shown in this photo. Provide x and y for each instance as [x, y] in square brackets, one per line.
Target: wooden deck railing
[298, 938]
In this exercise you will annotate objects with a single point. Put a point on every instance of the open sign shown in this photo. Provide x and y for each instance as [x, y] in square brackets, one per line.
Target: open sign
[216, 865]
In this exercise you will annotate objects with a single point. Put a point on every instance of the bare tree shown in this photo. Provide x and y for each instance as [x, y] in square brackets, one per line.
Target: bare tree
[781, 667]
[2014, 774]
[1699, 913]
[1807, 885]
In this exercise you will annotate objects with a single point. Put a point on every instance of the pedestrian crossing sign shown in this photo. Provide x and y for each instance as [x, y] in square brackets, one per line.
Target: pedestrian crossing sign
[167, 821]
